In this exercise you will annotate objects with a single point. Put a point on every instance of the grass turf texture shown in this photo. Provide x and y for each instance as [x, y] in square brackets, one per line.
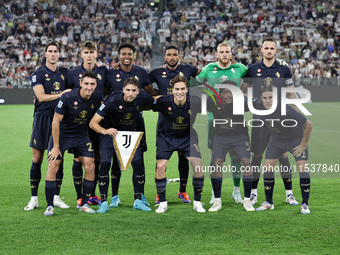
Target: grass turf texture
[180, 230]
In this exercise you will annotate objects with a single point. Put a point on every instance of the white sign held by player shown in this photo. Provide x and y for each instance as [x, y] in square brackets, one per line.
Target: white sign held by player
[126, 143]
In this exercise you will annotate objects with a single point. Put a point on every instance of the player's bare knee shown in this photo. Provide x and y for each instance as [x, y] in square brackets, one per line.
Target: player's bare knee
[198, 174]
[89, 168]
[52, 170]
[195, 162]
[246, 170]
[245, 161]
[89, 173]
[160, 169]
[302, 166]
[38, 156]
[218, 163]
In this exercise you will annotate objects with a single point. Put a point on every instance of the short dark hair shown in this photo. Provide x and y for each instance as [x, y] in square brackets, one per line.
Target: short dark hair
[89, 74]
[171, 47]
[131, 81]
[267, 89]
[90, 45]
[179, 78]
[230, 82]
[52, 43]
[126, 45]
[268, 39]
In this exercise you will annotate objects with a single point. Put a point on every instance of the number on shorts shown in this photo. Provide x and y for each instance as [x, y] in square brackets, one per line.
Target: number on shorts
[248, 146]
[90, 146]
[196, 147]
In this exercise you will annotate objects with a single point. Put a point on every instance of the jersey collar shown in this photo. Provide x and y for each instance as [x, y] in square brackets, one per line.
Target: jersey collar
[130, 72]
[83, 69]
[177, 70]
[223, 67]
[274, 65]
[49, 71]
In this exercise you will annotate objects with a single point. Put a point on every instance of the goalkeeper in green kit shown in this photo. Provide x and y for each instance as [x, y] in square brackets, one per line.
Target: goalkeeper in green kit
[217, 73]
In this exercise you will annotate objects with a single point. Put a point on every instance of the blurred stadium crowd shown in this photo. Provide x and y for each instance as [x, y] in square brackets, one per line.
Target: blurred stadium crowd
[307, 33]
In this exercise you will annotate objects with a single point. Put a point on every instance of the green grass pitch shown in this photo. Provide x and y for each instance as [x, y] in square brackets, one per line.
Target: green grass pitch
[180, 230]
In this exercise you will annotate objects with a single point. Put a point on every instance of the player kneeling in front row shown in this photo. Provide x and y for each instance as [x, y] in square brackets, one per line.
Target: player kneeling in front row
[230, 134]
[177, 134]
[292, 137]
[121, 112]
[70, 130]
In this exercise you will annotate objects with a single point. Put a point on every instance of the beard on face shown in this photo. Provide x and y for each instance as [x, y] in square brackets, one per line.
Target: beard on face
[172, 66]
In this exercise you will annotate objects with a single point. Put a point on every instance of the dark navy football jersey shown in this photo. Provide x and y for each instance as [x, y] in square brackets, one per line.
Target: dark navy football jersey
[74, 75]
[116, 78]
[287, 127]
[162, 76]
[122, 115]
[278, 75]
[178, 120]
[77, 113]
[235, 124]
[54, 82]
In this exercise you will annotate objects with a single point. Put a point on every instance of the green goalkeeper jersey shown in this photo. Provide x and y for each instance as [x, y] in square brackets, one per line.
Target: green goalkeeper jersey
[213, 74]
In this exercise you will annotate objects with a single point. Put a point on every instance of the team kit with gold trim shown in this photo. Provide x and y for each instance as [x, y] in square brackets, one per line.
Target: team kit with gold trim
[174, 128]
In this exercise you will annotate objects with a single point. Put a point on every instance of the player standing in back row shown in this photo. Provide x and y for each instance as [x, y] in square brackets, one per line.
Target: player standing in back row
[269, 71]
[49, 83]
[162, 76]
[216, 73]
[115, 80]
[89, 54]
